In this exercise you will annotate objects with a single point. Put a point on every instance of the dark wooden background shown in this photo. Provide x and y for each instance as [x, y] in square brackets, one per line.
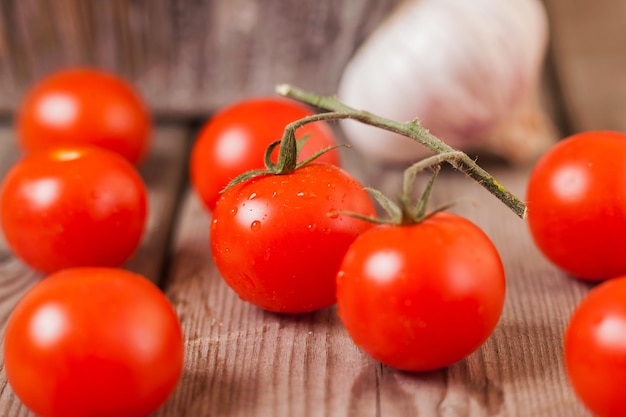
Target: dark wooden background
[189, 58]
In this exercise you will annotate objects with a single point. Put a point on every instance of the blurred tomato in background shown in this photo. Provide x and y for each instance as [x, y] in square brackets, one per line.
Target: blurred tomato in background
[84, 106]
[235, 140]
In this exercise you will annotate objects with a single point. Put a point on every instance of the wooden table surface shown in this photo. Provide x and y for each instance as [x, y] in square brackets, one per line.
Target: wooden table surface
[242, 361]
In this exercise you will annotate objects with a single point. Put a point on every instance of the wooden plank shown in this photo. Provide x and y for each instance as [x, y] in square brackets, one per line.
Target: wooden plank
[185, 57]
[589, 57]
[242, 361]
[163, 171]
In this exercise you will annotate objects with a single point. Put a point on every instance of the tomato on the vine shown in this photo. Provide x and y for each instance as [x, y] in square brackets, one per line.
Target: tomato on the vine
[278, 240]
[234, 141]
[422, 296]
[93, 342]
[595, 349]
[73, 207]
[576, 201]
[85, 106]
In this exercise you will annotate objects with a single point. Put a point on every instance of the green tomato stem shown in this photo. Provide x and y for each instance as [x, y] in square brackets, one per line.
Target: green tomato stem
[413, 130]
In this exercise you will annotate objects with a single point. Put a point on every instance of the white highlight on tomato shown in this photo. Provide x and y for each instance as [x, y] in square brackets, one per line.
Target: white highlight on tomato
[570, 183]
[67, 154]
[251, 213]
[383, 266]
[43, 192]
[48, 324]
[231, 146]
[611, 331]
[57, 109]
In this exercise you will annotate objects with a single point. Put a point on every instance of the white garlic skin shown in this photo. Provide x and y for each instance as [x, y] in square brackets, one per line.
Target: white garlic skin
[457, 66]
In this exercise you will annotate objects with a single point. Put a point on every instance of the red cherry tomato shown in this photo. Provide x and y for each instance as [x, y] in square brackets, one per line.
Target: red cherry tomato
[278, 240]
[576, 201]
[84, 107]
[235, 139]
[595, 349]
[423, 296]
[93, 342]
[73, 207]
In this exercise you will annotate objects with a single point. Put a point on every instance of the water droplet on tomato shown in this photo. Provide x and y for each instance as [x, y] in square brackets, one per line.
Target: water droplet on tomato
[255, 225]
[312, 227]
[233, 211]
[300, 194]
[253, 195]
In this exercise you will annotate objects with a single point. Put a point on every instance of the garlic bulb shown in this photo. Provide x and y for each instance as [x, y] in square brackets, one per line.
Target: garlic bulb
[469, 71]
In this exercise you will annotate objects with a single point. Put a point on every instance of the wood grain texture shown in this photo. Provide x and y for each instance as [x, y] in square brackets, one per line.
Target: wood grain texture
[242, 361]
[189, 57]
[185, 56]
[589, 57]
[163, 172]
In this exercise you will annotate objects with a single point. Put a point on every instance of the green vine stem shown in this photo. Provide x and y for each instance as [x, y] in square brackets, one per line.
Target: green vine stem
[413, 130]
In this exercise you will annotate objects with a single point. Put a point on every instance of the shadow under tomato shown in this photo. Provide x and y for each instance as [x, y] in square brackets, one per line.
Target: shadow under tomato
[518, 358]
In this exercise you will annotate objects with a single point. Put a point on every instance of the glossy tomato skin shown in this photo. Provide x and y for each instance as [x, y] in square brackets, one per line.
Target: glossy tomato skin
[73, 207]
[84, 106]
[93, 342]
[595, 349]
[278, 240]
[576, 198]
[234, 141]
[424, 296]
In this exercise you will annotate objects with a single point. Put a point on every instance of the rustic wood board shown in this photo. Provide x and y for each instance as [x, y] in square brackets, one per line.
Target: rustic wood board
[589, 57]
[186, 57]
[163, 172]
[242, 361]
[190, 58]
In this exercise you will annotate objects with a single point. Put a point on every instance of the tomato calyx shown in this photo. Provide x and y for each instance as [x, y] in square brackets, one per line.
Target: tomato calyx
[289, 151]
[405, 211]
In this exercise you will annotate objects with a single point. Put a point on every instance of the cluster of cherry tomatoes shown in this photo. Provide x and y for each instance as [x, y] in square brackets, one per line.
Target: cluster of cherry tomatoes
[300, 241]
[294, 236]
[91, 338]
[424, 295]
